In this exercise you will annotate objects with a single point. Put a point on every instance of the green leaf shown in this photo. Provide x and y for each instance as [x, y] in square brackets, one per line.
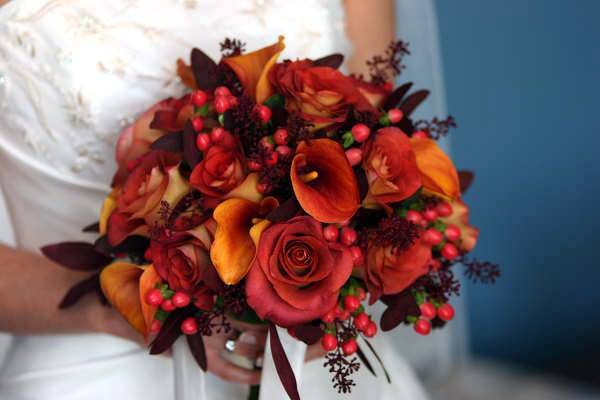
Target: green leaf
[385, 120]
[440, 226]
[221, 119]
[166, 292]
[411, 320]
[202, 111]
[161, 315]
[275, 101]
[348, 139]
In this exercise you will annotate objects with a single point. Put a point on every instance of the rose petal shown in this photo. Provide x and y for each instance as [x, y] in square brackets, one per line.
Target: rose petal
[333, 196]
[437, 170]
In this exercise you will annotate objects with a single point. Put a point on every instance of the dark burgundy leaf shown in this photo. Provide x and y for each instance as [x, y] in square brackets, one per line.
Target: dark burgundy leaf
[365, 360]
[285, 211]
[134, 246]
[165, 120]
[397, 95]
[387, 375]
[171, 142]
[197, 348]
[76, 255]
[80, 289]
[228, 121]
[169, 332]
[363, 183]
[205, 70]
[465, 178]
[332, 60]
[191, 154]
[399, 307]
[92, 228]
[309, 333]
[282, 365]
[101, 244]
[412, 102]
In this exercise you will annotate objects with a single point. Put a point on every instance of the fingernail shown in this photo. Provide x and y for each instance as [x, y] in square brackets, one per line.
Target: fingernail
[247, 339]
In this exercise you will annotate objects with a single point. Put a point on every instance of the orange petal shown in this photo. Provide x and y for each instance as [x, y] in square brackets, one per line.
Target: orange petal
[109, 205]
[333, 196]
[148, 281]
[120, 283]
[252, 69]
[460, 218]
[233, 250]
[437, 170]
[185, 73]
[248, 189]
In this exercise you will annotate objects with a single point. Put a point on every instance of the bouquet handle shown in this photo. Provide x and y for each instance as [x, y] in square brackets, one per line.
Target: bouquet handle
[189, 380]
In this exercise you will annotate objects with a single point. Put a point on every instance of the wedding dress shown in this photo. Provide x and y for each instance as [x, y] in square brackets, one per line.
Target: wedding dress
[72, 74]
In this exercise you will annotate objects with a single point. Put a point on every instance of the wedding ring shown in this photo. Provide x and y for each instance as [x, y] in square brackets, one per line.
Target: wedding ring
[230, 345]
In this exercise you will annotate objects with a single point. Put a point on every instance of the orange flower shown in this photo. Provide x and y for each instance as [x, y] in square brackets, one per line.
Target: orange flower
[324, 182]
[437, 170]
[460, 218]
[252, 69]
[391, 168]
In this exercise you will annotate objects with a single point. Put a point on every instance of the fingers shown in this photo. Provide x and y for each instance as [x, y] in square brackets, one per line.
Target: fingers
[230, 372]
[251, 344]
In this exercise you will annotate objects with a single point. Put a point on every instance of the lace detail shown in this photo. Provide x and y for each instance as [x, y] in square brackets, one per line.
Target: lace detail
[73, 73]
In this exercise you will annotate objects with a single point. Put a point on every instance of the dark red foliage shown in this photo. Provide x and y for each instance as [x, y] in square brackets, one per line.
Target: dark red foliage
[232, 47]
[481, 271]
[384, 68]
[390, 231]
[437, 128]
[77, 255]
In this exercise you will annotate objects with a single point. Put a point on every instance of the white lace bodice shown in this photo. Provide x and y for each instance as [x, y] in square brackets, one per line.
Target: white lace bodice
[74, 72]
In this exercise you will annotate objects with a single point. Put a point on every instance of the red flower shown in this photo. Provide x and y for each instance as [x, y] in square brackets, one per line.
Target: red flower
[322, 94]
[221, 170]
[391, 166]
[296, 274]
[390, 270]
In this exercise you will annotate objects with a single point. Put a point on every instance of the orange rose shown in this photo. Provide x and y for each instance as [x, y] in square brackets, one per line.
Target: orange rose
[322, 94]
[391, 166]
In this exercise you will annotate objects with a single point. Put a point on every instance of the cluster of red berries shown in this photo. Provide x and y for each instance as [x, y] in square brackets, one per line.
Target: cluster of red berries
[445, 312]
[167, 301]
[443, 236]
[350, 308]
[275, 148]
[345, 235]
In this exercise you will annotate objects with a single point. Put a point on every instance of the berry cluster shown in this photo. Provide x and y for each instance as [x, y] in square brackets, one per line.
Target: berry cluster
[429, 311]
[167, 300]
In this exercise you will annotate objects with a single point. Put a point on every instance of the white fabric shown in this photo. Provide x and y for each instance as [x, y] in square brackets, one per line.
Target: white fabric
[72, 74]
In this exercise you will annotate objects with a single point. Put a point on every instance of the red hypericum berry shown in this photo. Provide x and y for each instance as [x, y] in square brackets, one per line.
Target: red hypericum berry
[361, 294]
[264, 113]
[266, 143]
[271, 158]
[217, 134]
[420, 135]
[155, 326]
[445, 312]
[233, 101]
[370, 330]
[388, 86]
[432, 237]
[395, 115]
[357, 255]
[414, 217]
[351, 303]
[341, 313]
[181, 299]
[263, 187]
[222, 104]
[331, 233]
[148, 254]
[281, 136]
[422, 327]
[203, 141]
[449, 251]
[284, 151]
[199, 97]
[348, 236]
[430, 214]
[349, 347]
[189, 326]
[435, 264]
[354, 156]
[361, 321]
[444, 209]
[198, 124]
[360, 132]
[428, 311]
[222, 91]
[154, 297]
[168, 305]
[452, 232]
[254, 165]
[329, 317]
[329, 342]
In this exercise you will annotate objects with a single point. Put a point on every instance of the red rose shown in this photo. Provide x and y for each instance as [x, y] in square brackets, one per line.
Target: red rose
[155, 179]
[322, 94]
[391, 166]
[389, 270]
[296, 274]
[221, 170]
[184, 262]
[167, 115]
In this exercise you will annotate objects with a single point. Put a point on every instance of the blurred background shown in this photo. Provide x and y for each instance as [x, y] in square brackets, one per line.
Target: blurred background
[522, 78]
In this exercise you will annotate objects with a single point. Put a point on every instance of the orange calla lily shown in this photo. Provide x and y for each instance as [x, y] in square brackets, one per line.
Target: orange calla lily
[252, 69]
[324, 182]
[109, 205]
[438, 173]
[233, 249]
[120, 282]
[460, 218]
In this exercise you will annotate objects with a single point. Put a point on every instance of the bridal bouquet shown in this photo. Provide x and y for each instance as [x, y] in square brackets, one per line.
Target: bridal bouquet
[287, 194]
